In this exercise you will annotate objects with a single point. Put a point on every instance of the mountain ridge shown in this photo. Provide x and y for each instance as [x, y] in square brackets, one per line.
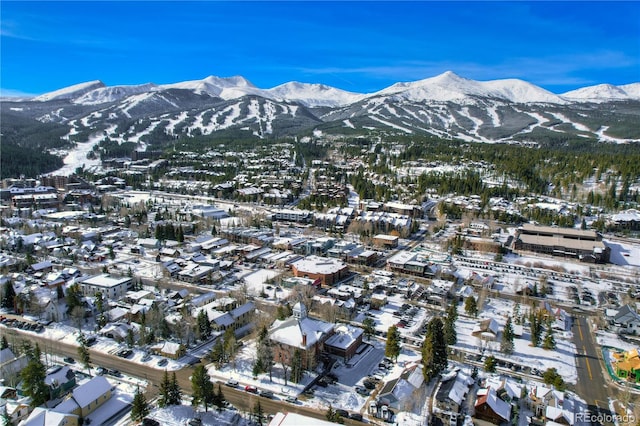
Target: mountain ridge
[444, 87]
[446, 106]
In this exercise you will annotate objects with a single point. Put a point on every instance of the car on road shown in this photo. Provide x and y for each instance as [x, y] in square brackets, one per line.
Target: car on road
[125, 353]
[265, 393]
[356, 416]
[69, 360]
[342, 413]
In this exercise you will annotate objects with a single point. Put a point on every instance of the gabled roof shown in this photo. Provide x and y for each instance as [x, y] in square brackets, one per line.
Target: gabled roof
[91, 390]
[626, 314]
[498, 406]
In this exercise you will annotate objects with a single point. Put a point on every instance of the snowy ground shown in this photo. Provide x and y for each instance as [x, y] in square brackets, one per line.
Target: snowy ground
[68, 334]
[624, 254]
[562, 358]
[339, 395]
[78, 157]
[179, 415]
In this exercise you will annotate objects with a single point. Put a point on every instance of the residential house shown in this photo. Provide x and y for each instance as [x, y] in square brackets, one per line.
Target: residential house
[87, 397]
[60, 380]
[627, 321]
[10, 365]
[400, 393]
[540, 397]
[171, 350]
[487, 329]
[41, 416]
[490, 408]
[450, 395]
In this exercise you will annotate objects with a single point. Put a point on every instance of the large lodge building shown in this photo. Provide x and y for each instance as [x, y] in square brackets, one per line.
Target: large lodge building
[585, 245]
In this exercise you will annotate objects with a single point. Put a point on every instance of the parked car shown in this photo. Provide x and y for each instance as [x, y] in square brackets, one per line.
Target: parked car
[356, 416]
[342, 413]
[250, 388]
[163, 362]
[69, 360]
[100, 371]
[265, 393]
[291, 399]
[150, 422]
[145, 357]
[232, 383]
[125, 353]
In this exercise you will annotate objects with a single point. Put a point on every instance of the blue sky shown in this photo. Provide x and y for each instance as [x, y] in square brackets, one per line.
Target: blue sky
[356, 46]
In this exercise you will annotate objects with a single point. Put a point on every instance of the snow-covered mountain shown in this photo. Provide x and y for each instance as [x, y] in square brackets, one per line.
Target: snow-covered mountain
[446, 105]
[103, 95]
[71, 92]
[313, 95]
[449, 87]
[604, 93]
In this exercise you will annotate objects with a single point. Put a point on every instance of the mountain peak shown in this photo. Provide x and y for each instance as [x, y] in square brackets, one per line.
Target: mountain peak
[71, 91]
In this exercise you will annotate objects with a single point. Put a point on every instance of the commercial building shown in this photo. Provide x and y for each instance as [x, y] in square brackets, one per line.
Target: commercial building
[586, 245]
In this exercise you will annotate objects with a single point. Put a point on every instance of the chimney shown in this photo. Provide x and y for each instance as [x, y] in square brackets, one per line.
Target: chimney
[304, 340]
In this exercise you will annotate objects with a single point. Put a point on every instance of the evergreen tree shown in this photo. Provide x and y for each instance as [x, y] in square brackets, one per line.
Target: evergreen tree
[535, 325]
[333, 416]
[204, 326]
[369, 326]
[229, 344]
[451, 336]
[165, 390]
[471, 306]
[490, 364]
[258, 413]
[139, 408]
[217, 353]
[218, 398]
[8, 296]
[175, 393]
[73, 298]
[392, 349]
[202, 387]
[434, 350]
[83, 353]
[506, 344]
[265, 360]
[33, 376]
[549, 341]
[296, 366]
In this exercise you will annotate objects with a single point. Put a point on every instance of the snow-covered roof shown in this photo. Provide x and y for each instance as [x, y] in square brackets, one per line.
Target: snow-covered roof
[344, 337]
[292, 330]
[45, 417]
[91, 390]
[319, 265]
[293, 419]
[500, 407]
[105, 280]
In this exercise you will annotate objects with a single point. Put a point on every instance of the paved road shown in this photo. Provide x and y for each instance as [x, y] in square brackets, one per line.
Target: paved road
[592, 384]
